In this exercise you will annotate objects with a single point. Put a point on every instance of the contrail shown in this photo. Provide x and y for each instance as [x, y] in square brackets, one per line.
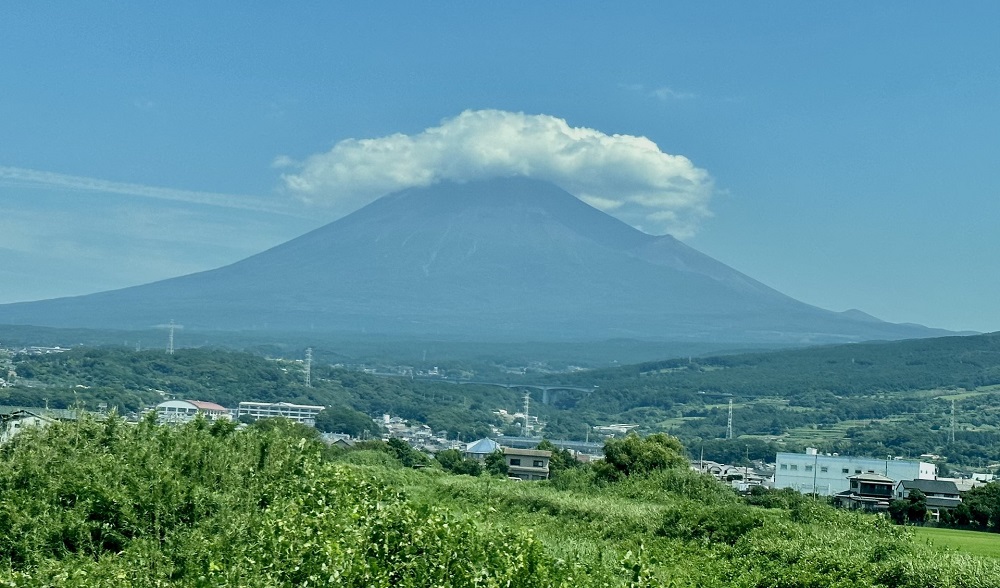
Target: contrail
[17, 176]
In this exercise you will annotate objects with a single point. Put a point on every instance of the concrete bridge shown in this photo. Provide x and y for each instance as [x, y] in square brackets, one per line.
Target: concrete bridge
[548, 392]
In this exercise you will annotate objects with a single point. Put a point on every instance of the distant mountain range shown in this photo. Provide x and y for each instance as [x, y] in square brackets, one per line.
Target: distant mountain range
[504, 259]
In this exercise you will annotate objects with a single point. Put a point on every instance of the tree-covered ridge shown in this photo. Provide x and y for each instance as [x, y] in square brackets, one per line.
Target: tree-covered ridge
[844, 370]
[879, 398]
[130, 380]
[111, 504]
[874, 399]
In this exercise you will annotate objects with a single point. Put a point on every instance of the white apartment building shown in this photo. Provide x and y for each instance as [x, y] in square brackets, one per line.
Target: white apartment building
[827, 475]
[300, 413]
[182, 411]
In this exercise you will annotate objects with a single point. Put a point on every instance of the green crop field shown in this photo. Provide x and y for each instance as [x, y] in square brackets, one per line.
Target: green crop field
[812, 434]
[972, 542]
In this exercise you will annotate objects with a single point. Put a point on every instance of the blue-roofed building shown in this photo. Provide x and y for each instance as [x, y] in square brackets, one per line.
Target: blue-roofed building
[480, 449]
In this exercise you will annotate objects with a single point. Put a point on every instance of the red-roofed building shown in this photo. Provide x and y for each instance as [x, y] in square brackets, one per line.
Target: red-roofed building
[182, 411]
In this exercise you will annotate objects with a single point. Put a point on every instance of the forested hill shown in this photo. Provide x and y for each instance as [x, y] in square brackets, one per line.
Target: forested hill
[876, 398]
[844, 370]
[129, 380]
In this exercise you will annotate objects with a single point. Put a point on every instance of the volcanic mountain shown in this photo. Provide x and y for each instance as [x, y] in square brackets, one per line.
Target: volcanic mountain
[503, 259]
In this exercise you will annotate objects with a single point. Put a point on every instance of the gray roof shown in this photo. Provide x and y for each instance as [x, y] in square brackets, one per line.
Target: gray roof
[62, 414]
[483, 446]
[942, 502]
[871, 477]
[931, 486]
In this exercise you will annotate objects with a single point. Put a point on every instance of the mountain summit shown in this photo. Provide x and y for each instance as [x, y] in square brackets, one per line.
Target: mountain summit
[508, 258]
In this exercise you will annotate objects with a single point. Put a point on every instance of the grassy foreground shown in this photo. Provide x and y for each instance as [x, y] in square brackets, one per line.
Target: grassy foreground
[108, 504]
[974, 542]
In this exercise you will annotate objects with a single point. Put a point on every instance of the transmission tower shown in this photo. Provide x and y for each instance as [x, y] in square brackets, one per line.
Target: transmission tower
[527, 423]
[729, 422]
[952, 434]
[309, 362]
[170, 336]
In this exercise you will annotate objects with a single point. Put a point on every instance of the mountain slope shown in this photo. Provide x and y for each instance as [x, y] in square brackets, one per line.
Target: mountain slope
[500, 259]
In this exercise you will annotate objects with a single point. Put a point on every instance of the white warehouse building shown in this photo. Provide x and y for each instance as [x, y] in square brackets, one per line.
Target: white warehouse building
[300, 413]
[827, 475]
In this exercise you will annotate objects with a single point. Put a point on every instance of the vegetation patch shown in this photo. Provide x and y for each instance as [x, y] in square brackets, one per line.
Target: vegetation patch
[962, 541]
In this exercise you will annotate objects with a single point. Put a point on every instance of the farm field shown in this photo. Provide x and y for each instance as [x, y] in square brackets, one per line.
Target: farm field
[813, 434]
[971, 542]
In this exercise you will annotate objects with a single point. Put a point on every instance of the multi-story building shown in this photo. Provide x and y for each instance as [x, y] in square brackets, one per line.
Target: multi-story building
[15, 422]
[182, 411]
[527, 464]
[827, 475]
[300, 413]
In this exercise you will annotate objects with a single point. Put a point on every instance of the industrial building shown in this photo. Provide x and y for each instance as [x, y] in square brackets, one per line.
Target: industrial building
[828, 474]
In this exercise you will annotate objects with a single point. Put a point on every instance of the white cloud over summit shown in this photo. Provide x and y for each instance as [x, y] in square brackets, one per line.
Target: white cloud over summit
[626, 176]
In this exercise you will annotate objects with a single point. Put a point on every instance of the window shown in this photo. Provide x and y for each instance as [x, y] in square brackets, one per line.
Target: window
[845, 471]
[784, 466]
[809, 468]
[538, 463]
[515, 461]
[857, 471]
[795, 467]
[823, 469]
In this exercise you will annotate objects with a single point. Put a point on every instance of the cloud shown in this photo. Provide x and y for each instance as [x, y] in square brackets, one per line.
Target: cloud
[671, 94]
[627, 176]
[663, 93]
[17, 176]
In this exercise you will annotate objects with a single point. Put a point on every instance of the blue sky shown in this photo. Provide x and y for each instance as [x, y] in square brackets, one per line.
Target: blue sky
[848, 152]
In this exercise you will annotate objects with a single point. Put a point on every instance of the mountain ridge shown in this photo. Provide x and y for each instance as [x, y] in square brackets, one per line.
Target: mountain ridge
[509, 257]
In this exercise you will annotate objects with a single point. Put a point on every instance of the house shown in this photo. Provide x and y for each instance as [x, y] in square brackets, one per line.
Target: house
[300, 413]
[182, 411]
[867, 491]
[740, 477]
[340, 440]
[941, 494]
[15, 422]
[964, 484]
[827, 475]
[478, 450]
[527, 464]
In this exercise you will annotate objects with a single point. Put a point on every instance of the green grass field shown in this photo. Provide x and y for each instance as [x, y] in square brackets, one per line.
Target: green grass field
[972, 542]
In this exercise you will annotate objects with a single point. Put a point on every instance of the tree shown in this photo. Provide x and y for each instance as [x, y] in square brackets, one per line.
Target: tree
[407, 455]
[495, 464]
[916, 508]
[635, 455]
[453, 461]
[897, 511]
[561, 459]
[962, 516]
[341, 419]
[984, 505]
